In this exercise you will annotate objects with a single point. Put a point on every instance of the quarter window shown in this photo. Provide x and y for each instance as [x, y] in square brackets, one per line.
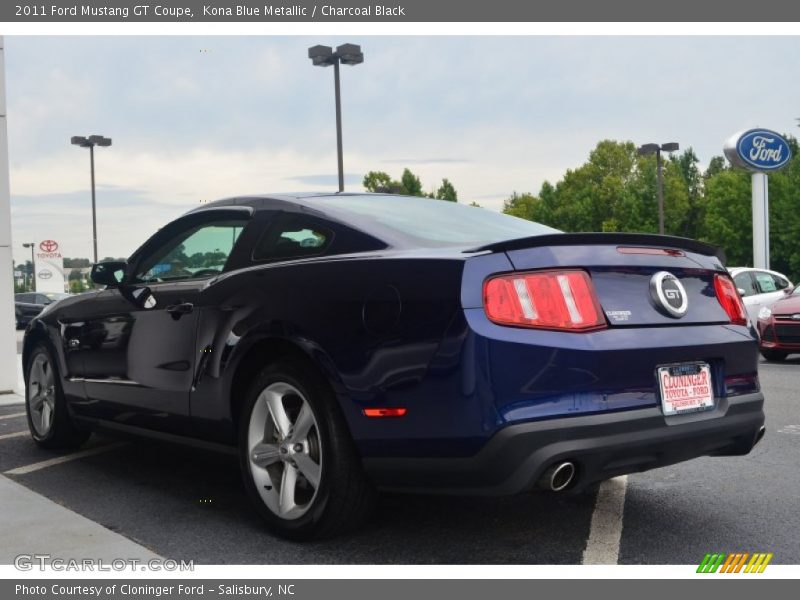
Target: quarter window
[293, 236]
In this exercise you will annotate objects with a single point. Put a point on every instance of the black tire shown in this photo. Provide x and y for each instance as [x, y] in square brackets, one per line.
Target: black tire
[343, 498]
[61, 431]
[774, 355]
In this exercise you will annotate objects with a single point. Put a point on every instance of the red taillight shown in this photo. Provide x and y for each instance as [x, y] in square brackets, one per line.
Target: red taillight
[729, 298]
[547, 299]
[385, 412]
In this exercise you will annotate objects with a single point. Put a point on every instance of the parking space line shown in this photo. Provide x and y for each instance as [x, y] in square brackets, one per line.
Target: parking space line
[605, 532]
[16, 434]
[62, 459]
[14, 416]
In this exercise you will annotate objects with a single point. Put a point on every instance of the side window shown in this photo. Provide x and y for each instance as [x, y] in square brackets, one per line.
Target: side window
[780, 282]
[198, 252]
[26, 298]
[293, 236]
[42, 299]
[744, 282]
[765, 282]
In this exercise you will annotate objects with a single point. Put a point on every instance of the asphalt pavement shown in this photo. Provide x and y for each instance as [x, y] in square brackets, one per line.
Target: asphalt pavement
[183, 503]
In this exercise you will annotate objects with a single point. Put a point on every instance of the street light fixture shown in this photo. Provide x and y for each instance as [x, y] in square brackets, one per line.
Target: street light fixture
[324, 56]
[32, 245]
[646, 150]
[90, 142]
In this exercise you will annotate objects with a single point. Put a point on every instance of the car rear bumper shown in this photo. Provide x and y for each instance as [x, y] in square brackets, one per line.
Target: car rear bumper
[601, 446]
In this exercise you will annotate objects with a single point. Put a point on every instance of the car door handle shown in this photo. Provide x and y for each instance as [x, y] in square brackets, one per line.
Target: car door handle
[176, 310]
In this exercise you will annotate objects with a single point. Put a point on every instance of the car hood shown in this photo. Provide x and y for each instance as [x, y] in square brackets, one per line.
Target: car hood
[788, 305]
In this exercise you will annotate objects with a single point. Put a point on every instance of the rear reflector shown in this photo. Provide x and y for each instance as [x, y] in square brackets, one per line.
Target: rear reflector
[730, 300]
[385, 412]
[563, 300]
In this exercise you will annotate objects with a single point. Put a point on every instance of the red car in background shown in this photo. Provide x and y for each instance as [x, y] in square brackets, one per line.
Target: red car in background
[779, 327]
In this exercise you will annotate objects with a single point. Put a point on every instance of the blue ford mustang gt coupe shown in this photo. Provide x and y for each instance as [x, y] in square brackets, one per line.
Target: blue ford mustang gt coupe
[349, 343]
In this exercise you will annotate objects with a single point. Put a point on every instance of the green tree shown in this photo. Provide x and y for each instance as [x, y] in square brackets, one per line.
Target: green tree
[728, 219]
[409, 184]
[77, 263]
[378, 181]
[446, 191]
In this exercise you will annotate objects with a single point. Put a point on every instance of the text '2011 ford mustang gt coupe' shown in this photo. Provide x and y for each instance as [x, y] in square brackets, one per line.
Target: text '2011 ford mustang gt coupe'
[347, 343]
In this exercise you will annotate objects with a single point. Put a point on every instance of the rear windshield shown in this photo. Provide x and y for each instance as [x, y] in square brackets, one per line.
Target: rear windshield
[432, 222]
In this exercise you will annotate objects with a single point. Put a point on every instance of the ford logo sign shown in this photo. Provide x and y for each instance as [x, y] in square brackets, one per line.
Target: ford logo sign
[759, 150]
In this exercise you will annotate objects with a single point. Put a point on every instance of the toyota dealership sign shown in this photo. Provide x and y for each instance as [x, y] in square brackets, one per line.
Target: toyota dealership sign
[49, 265]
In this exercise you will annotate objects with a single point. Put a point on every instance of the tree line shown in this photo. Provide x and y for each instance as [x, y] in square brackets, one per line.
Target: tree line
[615, 190]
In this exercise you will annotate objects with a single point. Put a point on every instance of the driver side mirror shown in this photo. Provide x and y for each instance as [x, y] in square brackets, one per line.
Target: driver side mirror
[110, 273]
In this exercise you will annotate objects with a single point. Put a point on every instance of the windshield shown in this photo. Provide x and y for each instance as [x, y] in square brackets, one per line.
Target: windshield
[430, 222]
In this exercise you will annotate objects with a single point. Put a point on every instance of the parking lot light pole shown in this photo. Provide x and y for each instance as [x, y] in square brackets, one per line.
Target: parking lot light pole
[324, 56]
[32, 245]
[647, 149]
[90, 142]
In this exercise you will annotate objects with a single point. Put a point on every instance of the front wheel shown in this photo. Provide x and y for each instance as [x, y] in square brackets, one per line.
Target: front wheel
[773, 355]
[48, 416]
[299, 463]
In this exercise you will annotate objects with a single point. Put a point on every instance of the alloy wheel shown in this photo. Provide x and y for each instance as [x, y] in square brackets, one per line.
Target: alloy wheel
[41, 394]
[284, 450]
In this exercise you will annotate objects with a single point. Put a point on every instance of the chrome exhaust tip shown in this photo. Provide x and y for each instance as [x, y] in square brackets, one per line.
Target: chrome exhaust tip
[558, 477]
[760, 434]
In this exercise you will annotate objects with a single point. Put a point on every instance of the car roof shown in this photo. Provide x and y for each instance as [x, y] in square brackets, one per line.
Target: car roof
[272, 201]
[745, 269]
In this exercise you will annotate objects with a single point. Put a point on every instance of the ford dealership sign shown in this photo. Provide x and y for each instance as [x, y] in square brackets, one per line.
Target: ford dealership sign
[758, 150]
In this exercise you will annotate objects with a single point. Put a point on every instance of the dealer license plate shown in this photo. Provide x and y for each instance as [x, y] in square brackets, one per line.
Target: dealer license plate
[685, 388]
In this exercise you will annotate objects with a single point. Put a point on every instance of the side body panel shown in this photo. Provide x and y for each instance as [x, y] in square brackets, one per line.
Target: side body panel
[385, 331]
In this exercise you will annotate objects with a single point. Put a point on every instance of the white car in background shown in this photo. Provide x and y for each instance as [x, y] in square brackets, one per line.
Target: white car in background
[759, 288]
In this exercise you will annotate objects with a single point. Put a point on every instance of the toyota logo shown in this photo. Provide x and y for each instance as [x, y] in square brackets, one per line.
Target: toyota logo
[668, 294]
[45, 274]
[48, 246]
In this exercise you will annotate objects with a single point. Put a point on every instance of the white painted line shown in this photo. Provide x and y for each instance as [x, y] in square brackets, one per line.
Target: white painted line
[602, 547]
[14, 416]
[16, 434]
[62, 459]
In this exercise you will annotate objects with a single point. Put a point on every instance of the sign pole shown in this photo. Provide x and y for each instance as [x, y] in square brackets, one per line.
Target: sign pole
[760, 187]
[8, 344]
[760, 151]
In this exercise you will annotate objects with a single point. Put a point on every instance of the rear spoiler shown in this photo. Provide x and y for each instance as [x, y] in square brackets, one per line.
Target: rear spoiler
[596, 239]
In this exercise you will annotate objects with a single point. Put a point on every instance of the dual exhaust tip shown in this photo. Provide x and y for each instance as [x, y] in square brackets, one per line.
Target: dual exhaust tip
[558, 476]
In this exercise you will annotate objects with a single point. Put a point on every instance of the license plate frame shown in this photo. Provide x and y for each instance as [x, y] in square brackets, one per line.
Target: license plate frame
[685, 396]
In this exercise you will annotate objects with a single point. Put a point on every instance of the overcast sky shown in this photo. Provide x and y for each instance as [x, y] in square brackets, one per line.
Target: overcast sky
[200, 118]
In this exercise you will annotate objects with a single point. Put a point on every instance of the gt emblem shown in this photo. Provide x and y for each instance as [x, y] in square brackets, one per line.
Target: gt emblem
[668, 294]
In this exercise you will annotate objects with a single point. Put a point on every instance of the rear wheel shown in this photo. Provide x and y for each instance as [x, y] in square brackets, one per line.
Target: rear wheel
[48, 417]
[773, 355]
[299, 463]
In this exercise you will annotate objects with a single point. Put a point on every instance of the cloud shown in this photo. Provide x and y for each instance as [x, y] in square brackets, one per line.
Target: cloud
[249, 114]
[424, 161]
[328, 180]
